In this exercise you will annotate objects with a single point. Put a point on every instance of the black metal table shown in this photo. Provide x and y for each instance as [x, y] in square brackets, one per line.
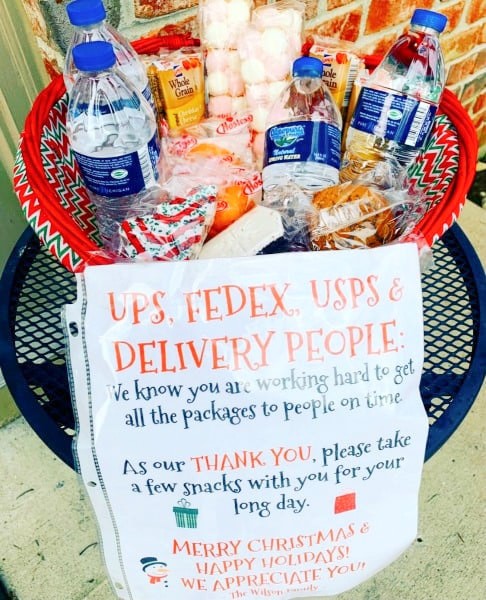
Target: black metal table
[35, 287]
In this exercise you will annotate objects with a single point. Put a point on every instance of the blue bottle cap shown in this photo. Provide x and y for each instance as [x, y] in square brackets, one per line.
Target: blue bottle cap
[307, 66]
[94, 56]
[429, 18]
[85, 12]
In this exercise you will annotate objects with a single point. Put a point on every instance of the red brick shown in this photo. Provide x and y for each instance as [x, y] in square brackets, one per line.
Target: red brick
[461, 42]
[480, 103]
[187, 25]
[473, 88]
[332, 4]
[468, 106]
[478, 119]
[461, 69]
[453, 14]
[344, 27]
[456, 90]
[482, 137]
[51, 67]
[482, 58]
[311, 9]
[466, 97]
[148, 9]
[380, 46]
[477, 10]
[383, 14]
[36, 19]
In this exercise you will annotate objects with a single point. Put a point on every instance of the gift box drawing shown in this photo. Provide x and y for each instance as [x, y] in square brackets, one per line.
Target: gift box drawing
[185, 516]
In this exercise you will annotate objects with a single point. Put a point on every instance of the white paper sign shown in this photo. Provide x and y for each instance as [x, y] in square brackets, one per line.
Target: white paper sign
[250, 428]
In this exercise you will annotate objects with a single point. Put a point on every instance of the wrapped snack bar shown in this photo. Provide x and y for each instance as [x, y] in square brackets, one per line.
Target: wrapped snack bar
[176, 230]
[228, 137]
[341, 67]
[177, 82]
[238, 184]
[252, 233]
[361, 215]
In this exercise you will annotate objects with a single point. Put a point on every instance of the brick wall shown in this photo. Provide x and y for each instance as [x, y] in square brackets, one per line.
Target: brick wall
[371, 24]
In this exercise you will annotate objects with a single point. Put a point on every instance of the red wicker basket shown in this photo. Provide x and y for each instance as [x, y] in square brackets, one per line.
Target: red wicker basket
[55, 203]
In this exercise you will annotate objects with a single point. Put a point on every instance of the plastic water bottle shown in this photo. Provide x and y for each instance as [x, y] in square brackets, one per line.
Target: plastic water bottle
[396, 106]
[88, 18]
[113, 135]
[303, 135]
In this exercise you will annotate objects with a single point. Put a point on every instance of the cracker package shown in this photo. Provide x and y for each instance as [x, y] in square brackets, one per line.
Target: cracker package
[341, 66]
[177, 82]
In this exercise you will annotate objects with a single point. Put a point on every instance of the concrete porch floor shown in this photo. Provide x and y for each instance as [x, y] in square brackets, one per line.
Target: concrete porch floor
[49, 546]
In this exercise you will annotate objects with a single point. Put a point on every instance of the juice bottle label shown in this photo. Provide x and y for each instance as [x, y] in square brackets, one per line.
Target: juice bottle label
[119, 176]
[395, 117]
[303, 141]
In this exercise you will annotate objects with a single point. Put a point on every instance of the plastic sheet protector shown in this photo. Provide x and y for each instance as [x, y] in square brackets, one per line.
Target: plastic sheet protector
[250, 428]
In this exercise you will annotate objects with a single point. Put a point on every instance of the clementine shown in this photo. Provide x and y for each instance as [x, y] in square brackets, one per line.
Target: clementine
[231, 203]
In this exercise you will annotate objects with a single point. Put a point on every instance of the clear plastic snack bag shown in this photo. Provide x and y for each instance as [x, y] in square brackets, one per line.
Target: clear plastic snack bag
[267, 49]
[296, 212]
[175, 230]
[370, 211]
[177, 81]
[228, 138]
[221, 23]
[342, 64]
[238, 186]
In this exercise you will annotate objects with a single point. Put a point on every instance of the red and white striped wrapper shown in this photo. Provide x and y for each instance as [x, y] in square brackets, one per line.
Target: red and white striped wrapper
[175, 231]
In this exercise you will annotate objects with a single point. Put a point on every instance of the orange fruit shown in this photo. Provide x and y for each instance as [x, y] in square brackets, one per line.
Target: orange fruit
[208, 150]
[231, 203]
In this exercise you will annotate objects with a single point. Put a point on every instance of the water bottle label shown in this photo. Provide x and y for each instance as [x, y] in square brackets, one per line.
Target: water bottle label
[147, 94]
[303, 141]
[394, 117]
[119, 176]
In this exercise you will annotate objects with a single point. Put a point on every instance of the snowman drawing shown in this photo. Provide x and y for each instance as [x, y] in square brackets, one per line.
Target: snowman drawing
[156, 570]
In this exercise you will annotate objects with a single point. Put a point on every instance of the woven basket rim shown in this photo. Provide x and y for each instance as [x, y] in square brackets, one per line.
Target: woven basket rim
[431, 227]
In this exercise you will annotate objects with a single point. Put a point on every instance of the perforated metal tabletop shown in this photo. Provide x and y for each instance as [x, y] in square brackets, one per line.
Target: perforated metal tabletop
[35, 287]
